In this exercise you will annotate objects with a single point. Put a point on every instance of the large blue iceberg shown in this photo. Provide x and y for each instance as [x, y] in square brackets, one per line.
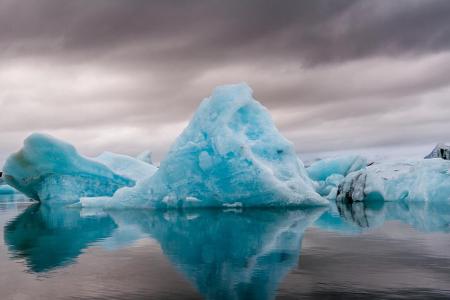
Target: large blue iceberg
[231, 154]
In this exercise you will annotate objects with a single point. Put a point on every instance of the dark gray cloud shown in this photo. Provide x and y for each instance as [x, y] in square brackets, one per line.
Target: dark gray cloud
[127, 75]
[314, 31]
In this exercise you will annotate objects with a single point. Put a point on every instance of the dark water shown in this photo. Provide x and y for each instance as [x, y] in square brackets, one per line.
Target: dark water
[377, 251]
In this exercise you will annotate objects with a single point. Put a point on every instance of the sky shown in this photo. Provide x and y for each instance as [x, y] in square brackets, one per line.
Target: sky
[127, 75]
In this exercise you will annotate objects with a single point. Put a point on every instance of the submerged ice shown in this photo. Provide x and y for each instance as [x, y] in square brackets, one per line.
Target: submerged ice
[231, 154]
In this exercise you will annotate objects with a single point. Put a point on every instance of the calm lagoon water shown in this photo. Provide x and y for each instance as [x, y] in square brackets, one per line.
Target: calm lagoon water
[353, 251]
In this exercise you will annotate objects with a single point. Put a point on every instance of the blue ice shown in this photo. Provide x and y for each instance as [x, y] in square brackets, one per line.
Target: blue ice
[329, 173]
[52, 171]
[231, 154]
[415, 180]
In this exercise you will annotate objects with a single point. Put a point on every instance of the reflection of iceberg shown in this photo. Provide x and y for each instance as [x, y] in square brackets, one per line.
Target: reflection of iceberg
[331, 220]
[432, 216]
[226, 254]
[231, 153]
[48, 238]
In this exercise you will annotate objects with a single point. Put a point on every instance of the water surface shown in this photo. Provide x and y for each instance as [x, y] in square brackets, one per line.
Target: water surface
[348, 251]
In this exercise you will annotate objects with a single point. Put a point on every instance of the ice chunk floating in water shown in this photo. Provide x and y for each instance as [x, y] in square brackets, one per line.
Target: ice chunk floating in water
[424, 180]
[52, 171]
[231, 153]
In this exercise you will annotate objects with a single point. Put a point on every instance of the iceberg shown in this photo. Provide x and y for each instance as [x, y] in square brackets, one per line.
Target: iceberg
[231, 153]
[52, 171]
[145, 156]
[440, 151]
[329, 173]
[422, 180]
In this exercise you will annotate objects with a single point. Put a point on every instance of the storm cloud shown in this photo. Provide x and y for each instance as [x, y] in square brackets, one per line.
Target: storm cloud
[127, 76]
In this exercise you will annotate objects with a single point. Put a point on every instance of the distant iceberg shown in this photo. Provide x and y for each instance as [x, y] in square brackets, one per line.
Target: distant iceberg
[422, 180]
[440, 151]
[145, 156]
[230, 154]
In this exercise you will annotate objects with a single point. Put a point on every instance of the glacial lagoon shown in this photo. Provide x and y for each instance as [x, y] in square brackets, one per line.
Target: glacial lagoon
[231, 212]
[383, 250]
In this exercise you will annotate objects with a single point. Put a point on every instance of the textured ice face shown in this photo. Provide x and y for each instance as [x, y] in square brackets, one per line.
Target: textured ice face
[230, 154]
[50, 170]
[341, 165]
[127, 166]
[424, 180]
[329, 173]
